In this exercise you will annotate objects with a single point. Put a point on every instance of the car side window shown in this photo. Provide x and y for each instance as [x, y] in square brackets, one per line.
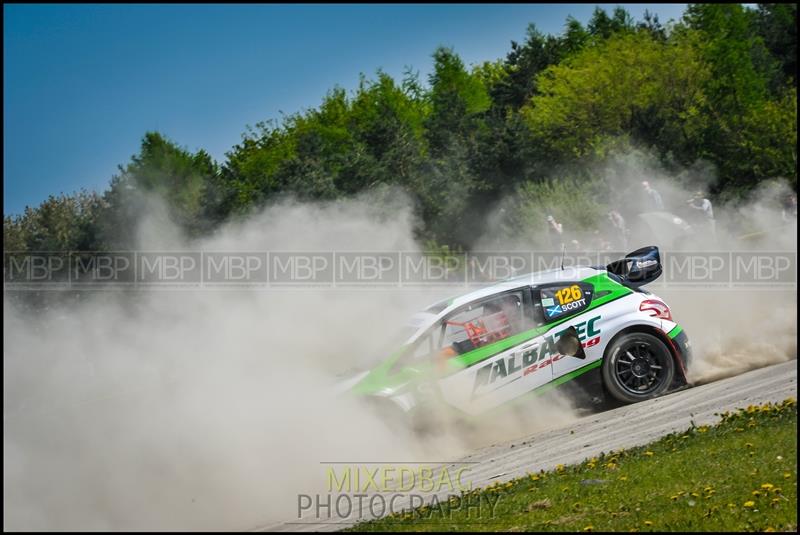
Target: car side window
[423, 347]
[564, 299]
[484, 322]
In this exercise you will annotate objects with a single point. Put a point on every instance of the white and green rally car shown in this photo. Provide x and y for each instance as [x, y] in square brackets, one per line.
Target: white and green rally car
[594, 328]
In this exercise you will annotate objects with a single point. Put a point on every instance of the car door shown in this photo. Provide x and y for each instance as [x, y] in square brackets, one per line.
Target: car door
[492, 351]
[561, 306]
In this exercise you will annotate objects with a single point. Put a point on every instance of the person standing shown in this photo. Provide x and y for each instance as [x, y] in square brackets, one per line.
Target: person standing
[654, 197]
[701, 203]
[555, 233]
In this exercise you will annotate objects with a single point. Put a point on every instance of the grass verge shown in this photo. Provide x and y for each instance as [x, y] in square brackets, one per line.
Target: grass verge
[737, 475]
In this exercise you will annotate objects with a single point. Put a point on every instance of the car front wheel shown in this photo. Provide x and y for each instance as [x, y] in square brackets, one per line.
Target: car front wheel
[637, 366]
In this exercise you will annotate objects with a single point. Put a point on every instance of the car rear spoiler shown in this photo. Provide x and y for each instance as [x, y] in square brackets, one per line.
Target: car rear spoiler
[638, 268]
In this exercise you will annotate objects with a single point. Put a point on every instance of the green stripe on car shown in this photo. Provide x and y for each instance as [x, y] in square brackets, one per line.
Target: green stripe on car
[675, 331]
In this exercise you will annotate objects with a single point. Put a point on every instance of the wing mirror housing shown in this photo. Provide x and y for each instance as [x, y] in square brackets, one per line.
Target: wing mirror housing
[570, 344]
[638, 268]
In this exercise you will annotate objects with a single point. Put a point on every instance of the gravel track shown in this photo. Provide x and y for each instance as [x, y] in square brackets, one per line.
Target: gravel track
[624, 427]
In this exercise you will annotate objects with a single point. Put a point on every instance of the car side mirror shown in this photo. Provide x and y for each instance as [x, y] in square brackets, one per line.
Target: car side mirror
[638, 268]
[569, 344]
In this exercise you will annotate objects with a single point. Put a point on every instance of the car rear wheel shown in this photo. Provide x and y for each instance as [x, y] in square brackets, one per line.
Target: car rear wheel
[637, 366]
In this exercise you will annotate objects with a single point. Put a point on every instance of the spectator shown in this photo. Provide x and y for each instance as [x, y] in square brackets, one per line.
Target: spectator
[701, 203]
[653, 196]
[555, 233]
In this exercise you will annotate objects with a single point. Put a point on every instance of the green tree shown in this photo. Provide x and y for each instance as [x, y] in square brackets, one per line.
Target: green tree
[457, 98]
[653, 26]
[602, 26]
[387, 123]
[162, 170]
[776, 24]
[575, 37]
[629, 85]
[60, 223]
[250, 174]
[769, 136]
[735, 92]
[521, 65]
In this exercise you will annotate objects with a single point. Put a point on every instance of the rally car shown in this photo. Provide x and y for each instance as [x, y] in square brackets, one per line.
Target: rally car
[596, 328]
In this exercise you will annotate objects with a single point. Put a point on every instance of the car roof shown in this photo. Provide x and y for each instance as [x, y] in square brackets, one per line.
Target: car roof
[529, 279]
[423, 320]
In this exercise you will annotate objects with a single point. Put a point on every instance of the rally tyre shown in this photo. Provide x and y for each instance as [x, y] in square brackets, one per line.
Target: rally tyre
[637, 366]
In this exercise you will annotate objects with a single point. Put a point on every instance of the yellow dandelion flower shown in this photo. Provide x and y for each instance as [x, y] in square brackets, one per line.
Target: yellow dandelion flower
[588, 528]
[756, 493]
[648, 523]
[767, 486]
[649, 453]
[749, 503]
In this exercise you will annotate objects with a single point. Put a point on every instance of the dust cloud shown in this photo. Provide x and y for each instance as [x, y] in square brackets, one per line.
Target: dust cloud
[735, 331]
[185, 410]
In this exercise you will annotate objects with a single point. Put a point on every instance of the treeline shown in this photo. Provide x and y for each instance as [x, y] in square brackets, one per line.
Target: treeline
[718, 86]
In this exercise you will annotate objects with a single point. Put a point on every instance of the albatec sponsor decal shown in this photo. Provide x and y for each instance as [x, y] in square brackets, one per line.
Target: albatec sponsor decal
[536, 358]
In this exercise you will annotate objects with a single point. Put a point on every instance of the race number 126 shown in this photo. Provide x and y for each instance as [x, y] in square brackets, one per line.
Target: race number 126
[569, 294]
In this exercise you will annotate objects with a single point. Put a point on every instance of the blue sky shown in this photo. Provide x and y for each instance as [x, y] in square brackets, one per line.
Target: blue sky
[83, 83]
